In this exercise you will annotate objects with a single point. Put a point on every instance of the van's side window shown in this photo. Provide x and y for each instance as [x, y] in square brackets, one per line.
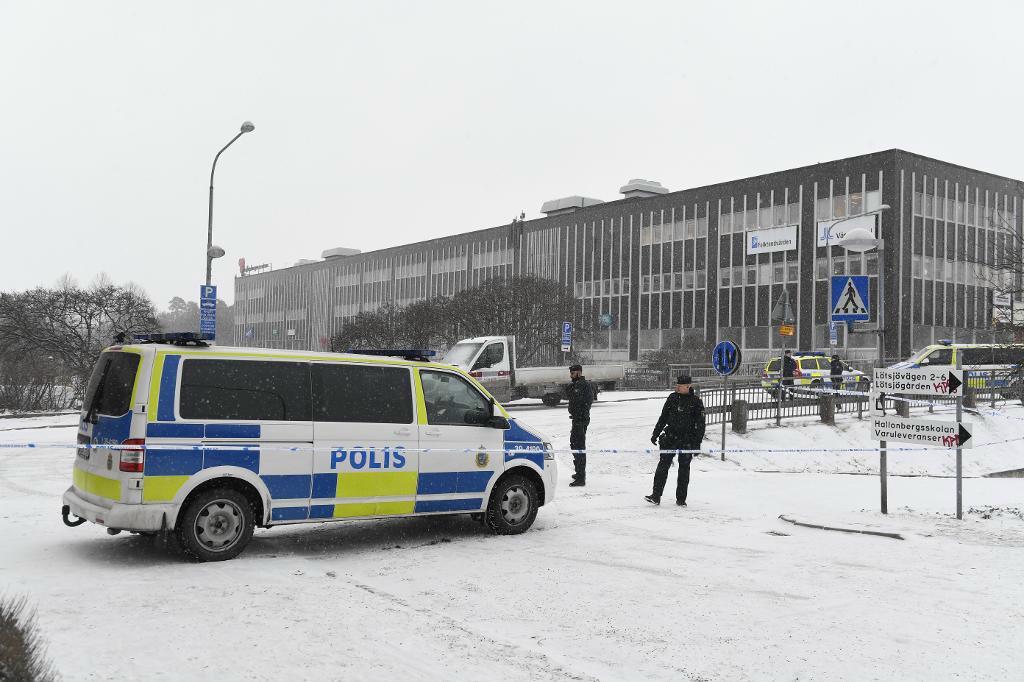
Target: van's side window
[360, 393]
[940, 356]
[451, 400]
[245, 389]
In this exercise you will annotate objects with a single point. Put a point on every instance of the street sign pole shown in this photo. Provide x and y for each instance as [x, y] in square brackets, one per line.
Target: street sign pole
[725, 359]
[883, 475]
[959, 452]
[725, 398]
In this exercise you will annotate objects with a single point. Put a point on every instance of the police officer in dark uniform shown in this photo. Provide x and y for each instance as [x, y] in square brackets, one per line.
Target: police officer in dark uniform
[836, 369]
[581, 396]
[788, 369]
[680, 427]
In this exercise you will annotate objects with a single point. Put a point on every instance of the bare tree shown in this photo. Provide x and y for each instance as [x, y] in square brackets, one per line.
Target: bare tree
[72, 325]
[530, 308]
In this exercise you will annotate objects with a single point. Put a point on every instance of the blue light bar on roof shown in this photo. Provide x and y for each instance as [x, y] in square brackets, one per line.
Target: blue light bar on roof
[173, 337]
[421, 354]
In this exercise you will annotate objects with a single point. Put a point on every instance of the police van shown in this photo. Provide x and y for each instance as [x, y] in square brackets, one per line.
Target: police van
[986, 364]
[209, 442]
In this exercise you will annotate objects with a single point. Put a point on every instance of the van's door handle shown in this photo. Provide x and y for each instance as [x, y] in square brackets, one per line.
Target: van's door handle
[432, 432]
[403, 432]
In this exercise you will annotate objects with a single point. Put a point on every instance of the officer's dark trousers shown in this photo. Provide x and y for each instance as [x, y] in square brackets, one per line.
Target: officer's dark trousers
[578, 441]
[683, 477]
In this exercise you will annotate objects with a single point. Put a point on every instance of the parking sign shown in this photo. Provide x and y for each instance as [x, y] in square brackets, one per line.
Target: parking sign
[208, 309]
[566, 337]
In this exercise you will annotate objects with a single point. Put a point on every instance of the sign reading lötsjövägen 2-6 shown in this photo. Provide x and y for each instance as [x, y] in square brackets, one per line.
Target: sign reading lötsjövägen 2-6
[933, 382]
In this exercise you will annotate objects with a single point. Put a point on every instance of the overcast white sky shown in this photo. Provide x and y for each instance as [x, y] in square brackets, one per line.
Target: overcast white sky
[379, 123]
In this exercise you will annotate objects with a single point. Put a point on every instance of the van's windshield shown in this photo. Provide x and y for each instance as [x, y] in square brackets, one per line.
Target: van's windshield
[461, 354]
[110, 386]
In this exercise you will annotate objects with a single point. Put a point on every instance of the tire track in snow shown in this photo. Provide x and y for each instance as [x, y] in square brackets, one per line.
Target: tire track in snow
[538, 662]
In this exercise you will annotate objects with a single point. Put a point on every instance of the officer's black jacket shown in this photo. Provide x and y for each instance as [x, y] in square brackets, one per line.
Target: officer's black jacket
[581, 396]
[836, 368]
[682, 419]
[788, 366]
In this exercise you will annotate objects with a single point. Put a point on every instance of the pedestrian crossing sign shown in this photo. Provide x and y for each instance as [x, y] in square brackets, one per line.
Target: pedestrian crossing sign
[850, 301]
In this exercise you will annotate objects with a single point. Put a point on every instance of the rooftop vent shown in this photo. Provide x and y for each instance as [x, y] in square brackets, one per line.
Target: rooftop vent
[339, 252]
[638, 187]
[304, 261]
[567, 205]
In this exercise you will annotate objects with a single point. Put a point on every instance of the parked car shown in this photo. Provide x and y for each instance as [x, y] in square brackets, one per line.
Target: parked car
[814, 369]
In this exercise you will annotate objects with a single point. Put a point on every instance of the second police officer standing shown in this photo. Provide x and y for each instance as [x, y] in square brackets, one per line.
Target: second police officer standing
[581, 396]
[680, 427]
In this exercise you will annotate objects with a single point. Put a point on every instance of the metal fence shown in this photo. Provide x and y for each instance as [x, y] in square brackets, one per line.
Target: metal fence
[761, 401]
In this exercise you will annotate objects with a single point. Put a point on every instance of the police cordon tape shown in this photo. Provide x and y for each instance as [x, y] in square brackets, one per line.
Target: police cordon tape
[511, 450]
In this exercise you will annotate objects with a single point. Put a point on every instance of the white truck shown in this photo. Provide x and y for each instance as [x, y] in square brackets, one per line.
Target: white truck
[492, 361]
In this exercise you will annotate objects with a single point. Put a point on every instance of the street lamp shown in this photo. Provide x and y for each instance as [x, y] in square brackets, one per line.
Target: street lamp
[211, 250]
[828, 250]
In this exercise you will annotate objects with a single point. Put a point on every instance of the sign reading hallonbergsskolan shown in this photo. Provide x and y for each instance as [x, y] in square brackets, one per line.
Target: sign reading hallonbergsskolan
[922, 432]
[933, 382]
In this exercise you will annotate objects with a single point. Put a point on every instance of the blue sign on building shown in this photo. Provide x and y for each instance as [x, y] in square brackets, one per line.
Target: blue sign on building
[726, 358]
[208, 309]
[850, 302]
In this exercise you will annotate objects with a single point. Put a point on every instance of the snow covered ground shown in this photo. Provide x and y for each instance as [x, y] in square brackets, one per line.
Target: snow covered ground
[604, 587]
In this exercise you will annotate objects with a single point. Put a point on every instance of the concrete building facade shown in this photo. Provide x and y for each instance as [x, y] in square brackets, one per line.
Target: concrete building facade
[670, 267]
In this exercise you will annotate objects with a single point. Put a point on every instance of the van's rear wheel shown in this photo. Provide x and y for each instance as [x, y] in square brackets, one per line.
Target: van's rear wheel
[513, 506]
[216, 525]
[551, 399]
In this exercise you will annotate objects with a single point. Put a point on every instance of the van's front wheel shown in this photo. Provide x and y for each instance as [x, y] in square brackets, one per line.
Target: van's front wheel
[512, 507]
[216, 525]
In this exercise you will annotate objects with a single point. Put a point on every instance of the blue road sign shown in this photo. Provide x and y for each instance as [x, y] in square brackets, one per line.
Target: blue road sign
[833, 333]
[566, 336]
[207, 309]
[850, 301]
[726, 358]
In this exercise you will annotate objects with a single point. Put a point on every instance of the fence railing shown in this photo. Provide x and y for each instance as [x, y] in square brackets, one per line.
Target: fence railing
[759, 399]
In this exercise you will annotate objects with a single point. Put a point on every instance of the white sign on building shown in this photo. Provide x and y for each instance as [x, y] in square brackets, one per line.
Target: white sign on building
[770, 240]
[839, 231]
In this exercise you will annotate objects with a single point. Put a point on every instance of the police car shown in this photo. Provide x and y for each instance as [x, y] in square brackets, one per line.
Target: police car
[986, 364]
[178, 436]
[814, 369]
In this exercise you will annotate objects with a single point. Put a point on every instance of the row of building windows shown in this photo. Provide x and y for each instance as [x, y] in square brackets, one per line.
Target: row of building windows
[952, 209]
[674, 281]
[766, 216]
[845, 205]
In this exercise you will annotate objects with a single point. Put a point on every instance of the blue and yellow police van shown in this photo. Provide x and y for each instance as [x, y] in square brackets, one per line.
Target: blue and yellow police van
[205, 442]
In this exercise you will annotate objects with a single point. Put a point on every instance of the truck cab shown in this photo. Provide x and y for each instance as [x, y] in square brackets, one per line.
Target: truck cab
[491, 360]
[488, 359]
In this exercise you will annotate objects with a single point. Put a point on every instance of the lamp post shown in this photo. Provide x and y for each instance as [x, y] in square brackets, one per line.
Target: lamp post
[828, 251]
[861, 240]
[211, 250]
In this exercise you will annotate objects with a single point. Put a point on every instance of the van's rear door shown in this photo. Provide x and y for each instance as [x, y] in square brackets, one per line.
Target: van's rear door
[106, 420]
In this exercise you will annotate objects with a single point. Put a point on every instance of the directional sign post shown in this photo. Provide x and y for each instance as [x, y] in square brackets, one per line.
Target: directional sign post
[726, 359]
[933, 383]
[833, 333]
[919, 381]
[208, 309]
[931, 432]
[566, 337]
[850, 302]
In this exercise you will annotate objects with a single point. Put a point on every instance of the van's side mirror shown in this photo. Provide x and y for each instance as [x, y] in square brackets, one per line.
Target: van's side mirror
[499, 422]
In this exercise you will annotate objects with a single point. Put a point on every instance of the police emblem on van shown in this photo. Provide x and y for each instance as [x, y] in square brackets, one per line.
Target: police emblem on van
[482, 458]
